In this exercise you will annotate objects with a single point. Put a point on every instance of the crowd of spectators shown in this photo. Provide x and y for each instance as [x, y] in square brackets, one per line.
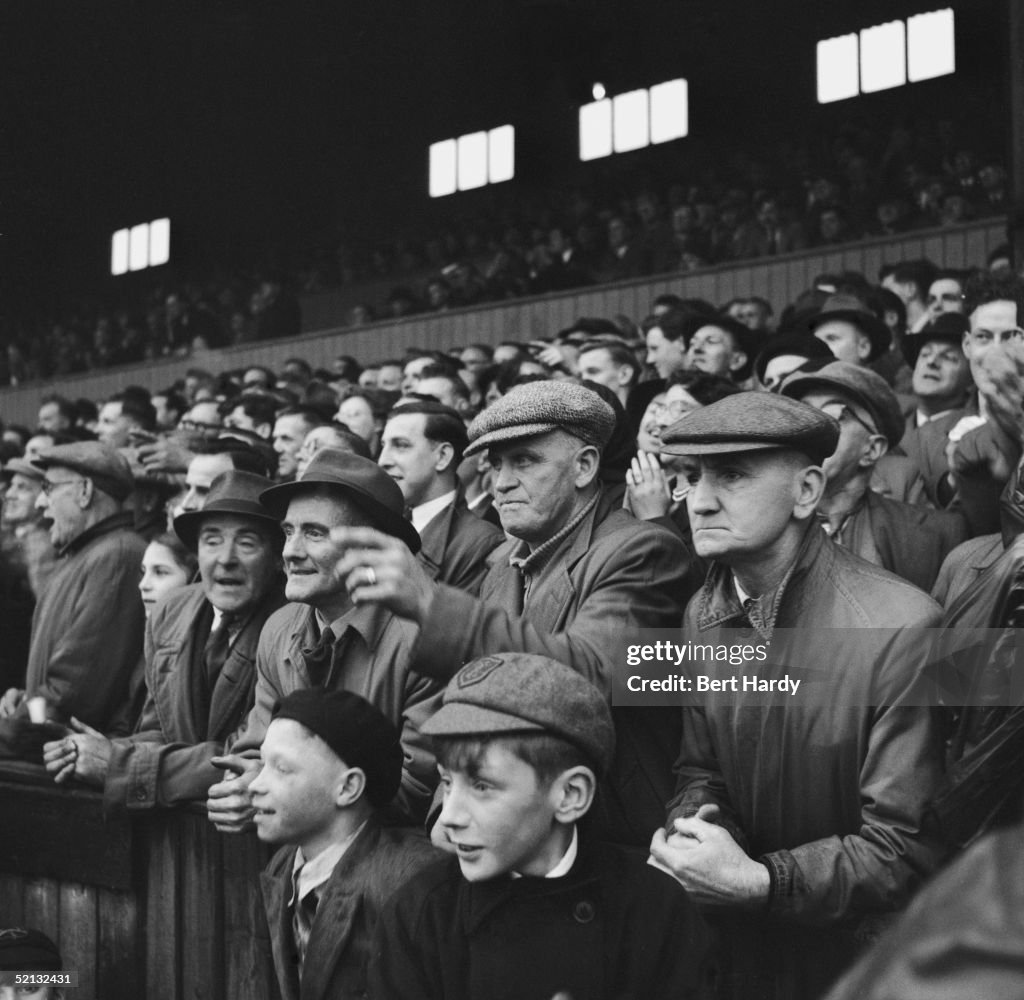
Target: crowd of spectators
[520, 511]
[670, 216]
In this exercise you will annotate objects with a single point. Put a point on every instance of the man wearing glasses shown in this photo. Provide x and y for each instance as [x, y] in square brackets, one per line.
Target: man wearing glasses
[88, 625]
[906, 539]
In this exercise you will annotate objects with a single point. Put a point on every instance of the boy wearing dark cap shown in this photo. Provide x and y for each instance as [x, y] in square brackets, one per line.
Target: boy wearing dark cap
[24, 949]
[530, 906]
[330, 762]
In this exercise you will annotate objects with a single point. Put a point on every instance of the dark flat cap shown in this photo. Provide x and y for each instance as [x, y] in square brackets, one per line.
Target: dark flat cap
[105, 466]
[753, 421]
[355, 478]
[538, 408]
[525, 693]
[28, 950]
[360, 734]
[860, 385]
[232, 492]
[25, 468]
[947, 327]
[852, 310]
[799, 344]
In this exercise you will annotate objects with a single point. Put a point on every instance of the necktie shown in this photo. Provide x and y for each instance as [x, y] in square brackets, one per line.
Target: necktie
[319, 658]
[216, 650]
[302, 922]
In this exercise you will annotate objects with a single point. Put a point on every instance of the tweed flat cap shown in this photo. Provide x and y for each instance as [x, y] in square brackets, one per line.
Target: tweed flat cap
[947, 327]
[105, 466]
[360, 734]
[524, 693]
[538, 408]
[753, 421]
[860, 385]
[358, 479]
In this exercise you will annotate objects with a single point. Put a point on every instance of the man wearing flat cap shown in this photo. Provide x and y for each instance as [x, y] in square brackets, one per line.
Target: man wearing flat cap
[322, 639]
[199, 652]
[907, 540]
[576, 573]
[87, 627]
[798, 819]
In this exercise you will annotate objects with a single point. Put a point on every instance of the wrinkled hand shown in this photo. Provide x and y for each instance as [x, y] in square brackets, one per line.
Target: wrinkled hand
[13, 697]
[169, 454]
[709, 864]
[647, 487]
[397, 580]
[1000, 379]
[229, 802]
[83, 754]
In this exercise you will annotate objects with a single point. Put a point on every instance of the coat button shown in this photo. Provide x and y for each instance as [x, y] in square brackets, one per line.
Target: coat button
[583, 912]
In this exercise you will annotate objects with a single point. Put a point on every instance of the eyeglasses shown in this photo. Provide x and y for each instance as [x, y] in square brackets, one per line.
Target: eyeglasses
[838, 411]
[1003, 336]
[49, 485]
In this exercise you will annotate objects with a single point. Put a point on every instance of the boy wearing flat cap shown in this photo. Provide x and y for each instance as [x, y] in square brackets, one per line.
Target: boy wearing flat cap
[798, 820]
[530, 906]
[331, 762]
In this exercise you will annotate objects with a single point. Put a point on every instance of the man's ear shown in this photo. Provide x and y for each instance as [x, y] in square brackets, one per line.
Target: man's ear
[445, 456]
[863, 346]
[87, 490]
[739, 359]
[573, 793]
[809, 487]
[874, 448]
[350, 787]
[588, 462]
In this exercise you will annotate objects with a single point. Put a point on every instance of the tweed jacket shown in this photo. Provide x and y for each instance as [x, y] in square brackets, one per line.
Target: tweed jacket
[167, 759]
[377, 863]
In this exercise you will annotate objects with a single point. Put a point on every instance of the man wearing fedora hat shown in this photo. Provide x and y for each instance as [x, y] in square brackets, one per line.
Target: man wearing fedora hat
[200, 647]
[851, 330]
[795, 819]
[321, 639]
[87, 628]
[576, 574]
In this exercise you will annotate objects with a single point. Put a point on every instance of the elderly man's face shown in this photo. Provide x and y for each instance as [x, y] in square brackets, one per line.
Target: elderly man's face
[62, 500]
[853, 454]
[740, 503]
[536, 484]
[238, 561]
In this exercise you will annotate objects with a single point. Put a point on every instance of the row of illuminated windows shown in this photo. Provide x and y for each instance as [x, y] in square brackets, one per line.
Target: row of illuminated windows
[886, 55]
[145, 245]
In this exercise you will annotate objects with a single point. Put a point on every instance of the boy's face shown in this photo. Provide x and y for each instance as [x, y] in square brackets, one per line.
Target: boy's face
[501, 819]
[294, 793]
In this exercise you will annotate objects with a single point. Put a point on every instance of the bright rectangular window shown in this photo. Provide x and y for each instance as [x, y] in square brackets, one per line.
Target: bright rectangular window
[630, 121]
[883, 57]
[931, 45]
[596, 130]
[838, 70]
[472, 168]
[442, 168]
[119, 252]
[670, 111]
[138, 247]
[159, 242]
[501, 154]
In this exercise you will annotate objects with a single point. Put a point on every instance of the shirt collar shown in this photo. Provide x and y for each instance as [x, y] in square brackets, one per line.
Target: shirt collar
[422, 515]
[527, 561]
[310, 875]
[564, 866]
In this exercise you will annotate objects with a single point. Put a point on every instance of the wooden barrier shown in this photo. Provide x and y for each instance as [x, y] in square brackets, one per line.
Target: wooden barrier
[158, 906]
[778, 279]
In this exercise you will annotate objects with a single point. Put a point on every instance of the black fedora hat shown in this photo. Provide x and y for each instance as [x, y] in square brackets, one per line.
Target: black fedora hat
[947, 327]
[357, 479]
[232, 492]
[852, 309]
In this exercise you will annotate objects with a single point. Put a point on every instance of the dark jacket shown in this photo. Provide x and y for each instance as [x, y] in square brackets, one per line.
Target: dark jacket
[377, 863]
[167, 760]
[611, 576]
[455, 546]
[925, 446]
[88, 624]
[828, 791]
[612, 928]
[907, 540]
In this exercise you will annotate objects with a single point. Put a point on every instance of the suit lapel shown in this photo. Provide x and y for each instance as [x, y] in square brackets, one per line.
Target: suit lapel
[277, 890]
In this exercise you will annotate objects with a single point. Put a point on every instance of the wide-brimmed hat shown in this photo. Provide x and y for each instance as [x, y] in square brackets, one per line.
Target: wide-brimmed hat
[232, 492]
[357, 479]
[853, 310]
[947, 327]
